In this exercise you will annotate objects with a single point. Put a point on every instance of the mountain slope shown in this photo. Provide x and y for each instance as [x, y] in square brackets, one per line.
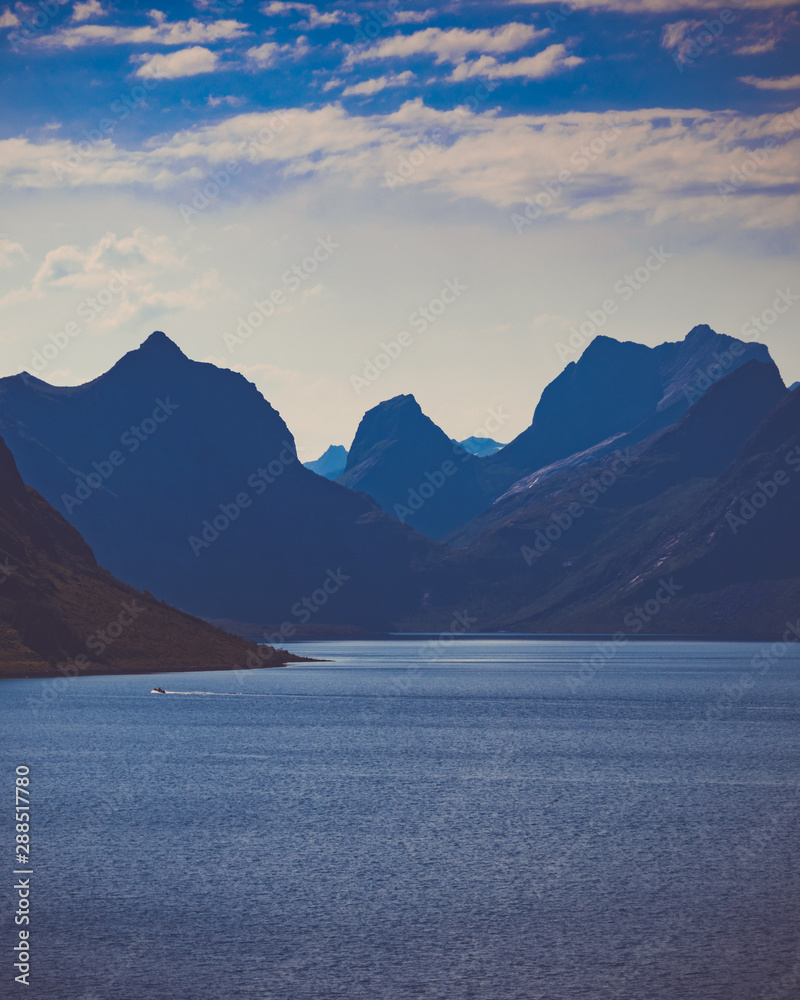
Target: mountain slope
[592, 542]
[184, 480]
[58, 606]
[618, 389]
[412, 469]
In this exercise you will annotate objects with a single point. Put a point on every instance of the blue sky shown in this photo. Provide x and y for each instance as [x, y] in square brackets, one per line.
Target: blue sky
[313, 177]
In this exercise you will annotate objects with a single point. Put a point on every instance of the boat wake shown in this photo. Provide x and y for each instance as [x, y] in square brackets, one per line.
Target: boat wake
[204, 694]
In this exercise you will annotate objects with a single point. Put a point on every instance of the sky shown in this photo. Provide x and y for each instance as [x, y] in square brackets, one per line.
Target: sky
[353, 200]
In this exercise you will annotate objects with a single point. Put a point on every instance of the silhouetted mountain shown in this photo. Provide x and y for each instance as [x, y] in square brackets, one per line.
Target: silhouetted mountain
[332, 464]
[618, 389]
[57, 606]
[185, 480]
[480, 446]
[594, 543]
[412, 469]
[795, 386]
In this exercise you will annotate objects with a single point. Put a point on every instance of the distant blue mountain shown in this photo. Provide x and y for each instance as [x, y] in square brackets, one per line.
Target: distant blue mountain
[412, 469]
[332, 464]
[795, 386]
[481, 447]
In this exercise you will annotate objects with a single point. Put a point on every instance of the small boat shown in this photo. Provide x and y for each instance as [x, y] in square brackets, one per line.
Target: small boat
[158, 691]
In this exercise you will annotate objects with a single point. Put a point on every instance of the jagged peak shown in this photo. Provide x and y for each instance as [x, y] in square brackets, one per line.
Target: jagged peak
[159, 342]
[403, 401]
[701, 332]
[603, 346]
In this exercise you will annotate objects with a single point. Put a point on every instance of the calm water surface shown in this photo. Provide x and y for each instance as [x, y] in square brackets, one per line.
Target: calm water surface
[416, 821]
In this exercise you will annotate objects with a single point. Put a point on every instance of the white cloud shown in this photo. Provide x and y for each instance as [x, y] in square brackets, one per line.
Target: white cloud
[161, 32]
[412, 16]
[174, 65]
[10, 253]
[659, 6]
[8, 19]
[765, 36]
[264, 55]
[691, 37]
[680, 36]
[773, 82]
[450, 44]
[144, 273]
[550, 61]
[660, 164]
[270, 53]
[229, 99]
[368, 87]
[313, 17]
[86, 11]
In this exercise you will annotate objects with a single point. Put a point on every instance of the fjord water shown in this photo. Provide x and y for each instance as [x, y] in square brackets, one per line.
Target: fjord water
[417, 820]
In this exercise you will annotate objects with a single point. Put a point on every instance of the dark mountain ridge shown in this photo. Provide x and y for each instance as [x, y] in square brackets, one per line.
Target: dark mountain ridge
[618, 388]
[580, 553]
[185, 480]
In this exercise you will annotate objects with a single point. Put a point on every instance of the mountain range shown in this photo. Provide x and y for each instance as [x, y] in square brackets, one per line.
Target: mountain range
[583, 548]
[333, 462]
[185, 482]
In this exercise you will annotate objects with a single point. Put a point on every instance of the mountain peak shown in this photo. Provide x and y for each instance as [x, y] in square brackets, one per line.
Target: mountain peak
[701, 332]
[402, 402]
[158, 342]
